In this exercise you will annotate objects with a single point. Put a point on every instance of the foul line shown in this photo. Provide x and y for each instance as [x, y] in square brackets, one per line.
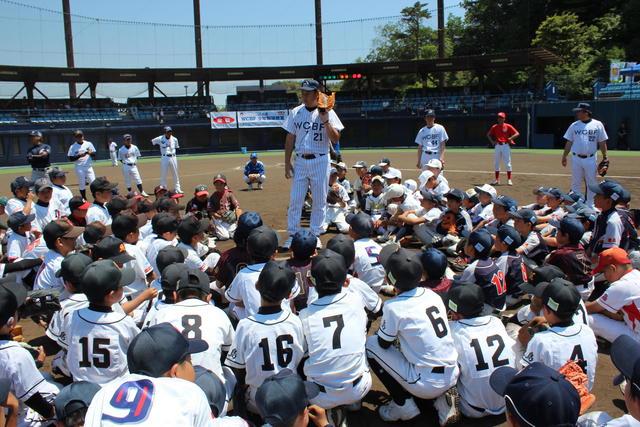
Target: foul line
[526, 173]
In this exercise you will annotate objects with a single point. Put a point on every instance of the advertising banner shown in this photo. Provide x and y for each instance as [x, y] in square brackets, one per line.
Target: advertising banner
[262, 119]
[224, 120]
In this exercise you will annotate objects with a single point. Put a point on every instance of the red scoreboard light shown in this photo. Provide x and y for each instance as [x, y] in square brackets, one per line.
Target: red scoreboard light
[342, 76]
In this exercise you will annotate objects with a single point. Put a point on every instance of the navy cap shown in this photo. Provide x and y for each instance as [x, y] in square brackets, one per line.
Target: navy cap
[253, 156]
[310, 84]
[573, 197]
[361, 224]
[213, 388]
[35, 133]
[164, 222]
[112, 248]
[465, 298]
[126, 136]
[385, 161]
[72, 268]
[172, 274]
[429, 196]
[508, 203]
[510, 236]
[434, 263]
[282, 397]
[12, 296]
[560, 296]
[582, 106]
[57, 172]
[168, 129]
[276, 280]
[573, 228]
[169, 255]
[247, 222]
[328, 270]
[102, 277]
[18, 219]
[376, 170]
[343, 245]
[587, 213]
[527, 215]
[610, 189]
[303, 244]
[75, 396]
[625, 355]
[543, 274]
[94, 232]
[20, 182]
[537, 395]
[196, 279]
[625, 196]
[102, 184]
[481, 241]
[573, 207]
[360, 164]
[554, 192]
[540, 190]
[429, 112]
[262, 242]
[157, 348]
[403, 267]
[455, 194]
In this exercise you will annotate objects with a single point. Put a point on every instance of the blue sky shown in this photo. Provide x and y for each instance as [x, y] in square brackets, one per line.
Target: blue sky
[35, 37]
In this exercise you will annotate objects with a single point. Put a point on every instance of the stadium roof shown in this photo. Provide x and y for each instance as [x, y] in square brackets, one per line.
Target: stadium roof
[514, 59]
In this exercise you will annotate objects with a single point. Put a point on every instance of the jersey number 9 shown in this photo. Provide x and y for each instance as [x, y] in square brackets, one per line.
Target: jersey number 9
[137, 403]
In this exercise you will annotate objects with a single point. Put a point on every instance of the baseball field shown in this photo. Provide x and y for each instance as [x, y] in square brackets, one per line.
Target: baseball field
[464, 168]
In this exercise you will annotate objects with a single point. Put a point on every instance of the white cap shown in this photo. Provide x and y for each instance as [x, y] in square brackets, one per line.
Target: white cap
[393, 191]
[434, 163]
[486, 188]
[410, 184]
[424, 177]
[392, 173]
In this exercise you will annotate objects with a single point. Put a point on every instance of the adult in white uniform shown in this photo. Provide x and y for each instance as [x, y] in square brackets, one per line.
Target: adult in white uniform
[82, 153]
[310, 132]
[584, 137]
[169, 161]
[431, 139]
[128, 154]
[113, 152]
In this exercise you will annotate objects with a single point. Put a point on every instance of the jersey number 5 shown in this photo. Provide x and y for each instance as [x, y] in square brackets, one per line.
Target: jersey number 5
[97, 350]
[499, 281]
[140, 394]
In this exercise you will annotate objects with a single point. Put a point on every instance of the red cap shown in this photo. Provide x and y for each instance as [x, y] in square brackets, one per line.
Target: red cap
[503, 115]
[611, 256]
[84, 206]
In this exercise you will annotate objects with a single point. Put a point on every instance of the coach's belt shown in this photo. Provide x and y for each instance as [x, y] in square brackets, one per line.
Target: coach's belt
[40, 169]
[129, 164]
[501, 143]
[168, 155]
[430, 152]
[582, 156]
[310, 156]
[324, 390]
[438, 370]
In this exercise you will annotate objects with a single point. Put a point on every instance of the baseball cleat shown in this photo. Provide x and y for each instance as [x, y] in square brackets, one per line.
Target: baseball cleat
[144, 194]
[318, 243]
[249, 187]
[394, 412]
[510, 182]
[496, 182]
[447, 407]
[260, 186]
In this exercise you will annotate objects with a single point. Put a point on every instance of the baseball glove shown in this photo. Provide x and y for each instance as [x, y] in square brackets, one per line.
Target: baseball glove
[41, 305]
[333, 196]
[575, 374]
[229, 217]
[603, 167]
[326, 101]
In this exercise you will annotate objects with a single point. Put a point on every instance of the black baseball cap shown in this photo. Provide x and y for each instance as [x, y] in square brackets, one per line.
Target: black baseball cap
[246, 222]
[102, 277]
[112, 248]
[146, 206]
[95, 231]
[220, 177]
[434, 263]
[172, 274]
[196, 279]
[481, 241]
[610, 189]
[572, 227]
[60, 228]
[508, 203]
[560, 296]
[12, 296]
[343, 245]
[166, 204]
[169, 255]
[510, 236]
[455, 194]
[262, 242]
[34, 133]
[159, 188]
[20, 182]
[164, 222]
[361, 224]
[119, 204]
[173, 194]
[57, 172]
[539, 275]
[310, 84]
[403, 267]
[625, 355]
[385, 161]
[72, 268]
[213, 388]
[191, 226]
[527, 215]
[78, 132]
[328, 271]
[168, 129]
[303, 244]
[18, 219]
[125, 224]
[582, 106]
[282, 397]
[77, 202]
[75, 396]
[554, 192]
[102, 184]
[376, 170]
[134, 194]
[41, 184]
[157, 348]
[537, 395]
[465, 298]
[429, 112]
[276, 281]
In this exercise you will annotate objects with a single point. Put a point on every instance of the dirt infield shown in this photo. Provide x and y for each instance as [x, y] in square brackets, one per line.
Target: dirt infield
[464, 168]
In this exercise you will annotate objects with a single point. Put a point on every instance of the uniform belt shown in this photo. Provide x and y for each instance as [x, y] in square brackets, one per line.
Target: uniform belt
[129, 164]
[438, 370]
[324, 390]
[168, 155]
[40, 169]
[582, 156]
[430, 152]
[310, 156]
[501, 143]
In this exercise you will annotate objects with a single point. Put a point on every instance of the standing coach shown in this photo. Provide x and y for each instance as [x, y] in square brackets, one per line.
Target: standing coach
[584, 137]
[310, 132]
[38, 156]
[502, 136]
[169, 160]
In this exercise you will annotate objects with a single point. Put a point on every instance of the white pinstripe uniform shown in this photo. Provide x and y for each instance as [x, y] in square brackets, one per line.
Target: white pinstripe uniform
[430, 140]
[84, 165]
[169, 162]
[113, 153]
[311, 138]
[129, 158]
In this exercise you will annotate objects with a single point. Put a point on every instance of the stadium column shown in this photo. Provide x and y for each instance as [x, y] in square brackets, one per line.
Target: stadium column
[441, 80]
[198, 40]
[68, 41]
[319, 59]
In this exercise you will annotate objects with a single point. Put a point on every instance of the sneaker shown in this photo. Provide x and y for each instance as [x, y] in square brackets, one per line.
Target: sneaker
[447, 407]
[496, 182]
[260, 186]
[337, 416]
[318, 243]
[388, 290]
[249, 187]
[144, 194]
[509, 182]
[394, 412]
[287, 243]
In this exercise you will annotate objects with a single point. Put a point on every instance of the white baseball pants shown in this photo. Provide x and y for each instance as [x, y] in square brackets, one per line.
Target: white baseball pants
[502, 153]
[85, 175]
[314, 173]
[583, 172]
[420, 381]
[260, 179]
[224, 230]
[608, 328]
[170, 164]
[129, 173]
[424, 159]
[114, 158]
[36, 174]
[330, 397]
[335, 216]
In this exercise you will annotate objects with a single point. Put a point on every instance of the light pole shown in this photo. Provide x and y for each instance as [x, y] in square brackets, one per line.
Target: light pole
[185, 90]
